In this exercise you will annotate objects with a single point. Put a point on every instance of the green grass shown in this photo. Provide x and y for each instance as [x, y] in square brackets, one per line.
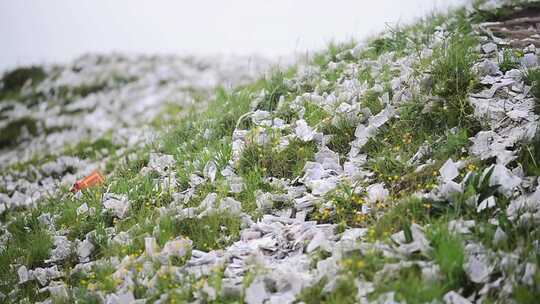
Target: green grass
[402, 213]
[186, 141]
[347, 205]
[100, 277]
[397, 141]
[355, 265]
[509, 60]
[211, 232]
[528, 294]
[288, 163]
[452, 74]
[68, 94]
[29, 245]
[331, 53]
[371, 101]
[452, 145]
[342, 134]
[395, 40]
[314, 114]
[92, 149]
[529, 157]
[532, 78]
[10, 134]
[345, 292]
[14, 80]
[65, 209]
[274, 88]
[449, 254]
[410, 287]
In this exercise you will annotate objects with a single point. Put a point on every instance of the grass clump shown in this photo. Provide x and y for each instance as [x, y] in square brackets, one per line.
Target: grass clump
[528, 294]
[395, 40]
[333, 53]
[91, 150]
[410, 287]
[342, 132]
[449, 253]
[348, 208]
[32, 239]
[64, 210]
[371, 101]
[354, 265]
[390, 151]
[344, 292]
[100, 278]
[314, 114]
[509, 60]
[211, 232]
[451, 145]
[532, 78]
[30, 245]
[10, 134]
[453, 77]
[274, 87]
[68, 94]
[411, 209]
[287, 163]
[529, 157]
[14, 80]
[201, 137]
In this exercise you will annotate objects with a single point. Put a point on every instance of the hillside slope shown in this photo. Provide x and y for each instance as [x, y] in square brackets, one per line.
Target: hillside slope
[403, 169]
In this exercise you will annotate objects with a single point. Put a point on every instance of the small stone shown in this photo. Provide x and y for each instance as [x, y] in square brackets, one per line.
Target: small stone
[453, 297]
[117, 203]
[303, 131]
[322, 186]
[486, 204]
[489, 48]
[530, 273]
[83, 209]
[161, 163]
[150, 246]
[487, 67]
[531, 48]
[22, 272]
[45, 275]
[58, 291]
[62, 249]
[477, 270]
[449, 170]
[84, 250]
[264, 200]
[210, 171]
[318, 241]
[499, 236]
[529, 60]
[256, 293]
[377, 193]
[505, 179]
[237, 185]
[176, 248]
[230, 205]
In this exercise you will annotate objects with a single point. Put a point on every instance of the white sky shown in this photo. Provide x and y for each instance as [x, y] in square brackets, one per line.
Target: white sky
[33, 32]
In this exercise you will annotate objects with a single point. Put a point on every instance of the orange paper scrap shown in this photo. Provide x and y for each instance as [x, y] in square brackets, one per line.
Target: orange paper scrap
[95, 178]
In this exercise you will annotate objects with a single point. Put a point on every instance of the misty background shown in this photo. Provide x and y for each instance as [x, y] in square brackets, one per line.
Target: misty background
[57, 31]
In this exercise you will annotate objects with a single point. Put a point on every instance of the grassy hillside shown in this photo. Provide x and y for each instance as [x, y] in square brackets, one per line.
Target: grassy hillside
[399, 169]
